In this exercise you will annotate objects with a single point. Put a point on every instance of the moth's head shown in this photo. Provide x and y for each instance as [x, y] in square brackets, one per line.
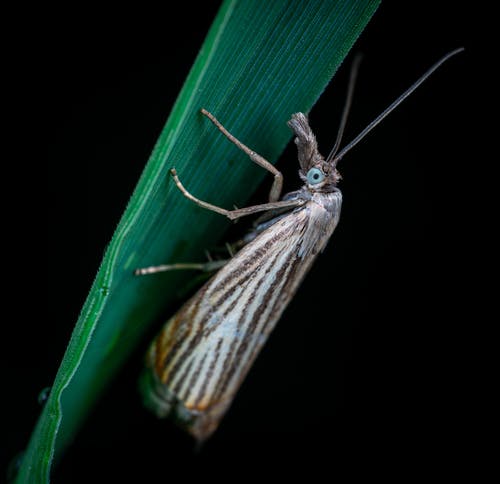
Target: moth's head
[317, 174]
[320, 174]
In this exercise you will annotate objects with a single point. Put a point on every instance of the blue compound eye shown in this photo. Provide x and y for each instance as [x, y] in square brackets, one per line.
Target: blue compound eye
[315, 176]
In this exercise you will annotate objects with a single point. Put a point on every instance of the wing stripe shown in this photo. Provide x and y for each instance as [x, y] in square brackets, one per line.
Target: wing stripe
[249, 319]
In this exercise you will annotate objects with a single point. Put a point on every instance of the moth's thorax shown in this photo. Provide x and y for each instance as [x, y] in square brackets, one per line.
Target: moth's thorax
[323, 213]
[330, 200]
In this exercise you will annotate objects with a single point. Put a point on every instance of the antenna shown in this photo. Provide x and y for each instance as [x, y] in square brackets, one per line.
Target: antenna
[391, 108]
[347, 106]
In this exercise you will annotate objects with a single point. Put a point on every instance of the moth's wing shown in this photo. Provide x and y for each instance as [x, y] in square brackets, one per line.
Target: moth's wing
[202, 355]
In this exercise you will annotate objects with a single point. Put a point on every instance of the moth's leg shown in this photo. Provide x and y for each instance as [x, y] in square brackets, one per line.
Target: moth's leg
[209, 266]
[239, 212]
[277, 186]
[230, 250]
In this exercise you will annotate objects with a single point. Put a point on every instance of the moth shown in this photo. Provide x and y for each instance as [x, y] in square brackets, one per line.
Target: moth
[198, 361]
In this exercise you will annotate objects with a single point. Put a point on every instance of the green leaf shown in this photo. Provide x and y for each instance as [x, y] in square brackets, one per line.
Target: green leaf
[260, 62]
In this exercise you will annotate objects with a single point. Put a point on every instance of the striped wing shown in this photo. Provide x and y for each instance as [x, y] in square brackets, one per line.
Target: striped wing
[203, 353]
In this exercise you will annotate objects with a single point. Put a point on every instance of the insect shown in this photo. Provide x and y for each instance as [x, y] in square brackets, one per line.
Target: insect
[198, 361]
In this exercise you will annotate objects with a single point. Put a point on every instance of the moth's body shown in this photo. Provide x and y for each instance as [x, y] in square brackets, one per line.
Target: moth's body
[197, 363]
[230, 318]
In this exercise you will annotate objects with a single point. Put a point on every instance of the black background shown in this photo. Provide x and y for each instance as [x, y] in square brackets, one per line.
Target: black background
[369, 367]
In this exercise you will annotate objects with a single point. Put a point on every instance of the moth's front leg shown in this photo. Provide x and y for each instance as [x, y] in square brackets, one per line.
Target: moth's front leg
[277, 186]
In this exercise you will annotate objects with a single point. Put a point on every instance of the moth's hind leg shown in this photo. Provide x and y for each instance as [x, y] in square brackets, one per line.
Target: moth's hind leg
[209, 266]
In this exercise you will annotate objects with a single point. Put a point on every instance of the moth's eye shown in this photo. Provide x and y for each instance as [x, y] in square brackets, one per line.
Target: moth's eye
[315, 176]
